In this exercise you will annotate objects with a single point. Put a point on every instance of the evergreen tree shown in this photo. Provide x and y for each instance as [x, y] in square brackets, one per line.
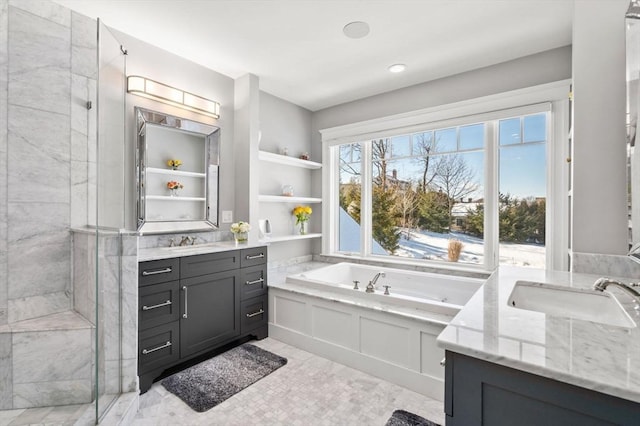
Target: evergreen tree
[433, 211]
[384, 221]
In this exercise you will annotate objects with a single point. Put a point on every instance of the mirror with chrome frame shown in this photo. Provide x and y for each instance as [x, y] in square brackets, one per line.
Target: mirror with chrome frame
[632, 24]
[177, 170]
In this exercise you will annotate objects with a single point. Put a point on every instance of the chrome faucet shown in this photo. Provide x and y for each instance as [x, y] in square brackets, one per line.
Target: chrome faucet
[371, 287]
[375, 278]
[185, 241]
[602, 283]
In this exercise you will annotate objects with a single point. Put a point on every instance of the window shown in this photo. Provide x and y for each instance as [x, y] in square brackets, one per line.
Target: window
[475, 188]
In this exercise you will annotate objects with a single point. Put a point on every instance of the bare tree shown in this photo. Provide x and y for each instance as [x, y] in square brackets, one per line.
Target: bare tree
[425, 146]
[406, 203]
[380, 150]
[455, 179]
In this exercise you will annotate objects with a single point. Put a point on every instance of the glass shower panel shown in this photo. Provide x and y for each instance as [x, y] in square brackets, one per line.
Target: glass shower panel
[109, 217]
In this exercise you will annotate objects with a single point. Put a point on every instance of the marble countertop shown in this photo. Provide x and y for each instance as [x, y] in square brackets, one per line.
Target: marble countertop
[156, 253]
[595, 356]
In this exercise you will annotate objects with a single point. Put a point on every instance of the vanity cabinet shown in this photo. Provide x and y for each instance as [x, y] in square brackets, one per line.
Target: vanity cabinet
[193, 305]
[480, 392]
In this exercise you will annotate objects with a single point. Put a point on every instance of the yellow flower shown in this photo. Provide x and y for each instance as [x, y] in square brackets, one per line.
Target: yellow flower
[302, 213]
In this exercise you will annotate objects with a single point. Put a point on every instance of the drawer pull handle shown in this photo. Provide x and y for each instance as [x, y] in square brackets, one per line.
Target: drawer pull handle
[159, 305]
[157, 271]
[261, 280]
[260, 312]
[148, 351]
[257, 256]
[186, 312]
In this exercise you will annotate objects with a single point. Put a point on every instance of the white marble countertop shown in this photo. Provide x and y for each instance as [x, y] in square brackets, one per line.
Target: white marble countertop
[595, 356]
[157, 253]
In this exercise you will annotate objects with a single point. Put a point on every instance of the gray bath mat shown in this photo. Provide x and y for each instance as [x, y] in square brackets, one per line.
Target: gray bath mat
[207, 384]
[405, 418]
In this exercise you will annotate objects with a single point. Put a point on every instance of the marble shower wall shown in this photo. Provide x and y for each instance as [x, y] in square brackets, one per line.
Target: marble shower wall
[47, 74]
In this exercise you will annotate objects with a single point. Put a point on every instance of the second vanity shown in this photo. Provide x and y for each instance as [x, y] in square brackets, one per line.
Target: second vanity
[193, 300]
[506, 365]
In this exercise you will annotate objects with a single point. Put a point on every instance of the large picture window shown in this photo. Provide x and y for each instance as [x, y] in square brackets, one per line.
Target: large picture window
[473, 190]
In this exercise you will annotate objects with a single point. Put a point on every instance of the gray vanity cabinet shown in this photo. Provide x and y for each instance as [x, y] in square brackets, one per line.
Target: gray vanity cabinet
[193, 305]
[483, 393]
[210, 305]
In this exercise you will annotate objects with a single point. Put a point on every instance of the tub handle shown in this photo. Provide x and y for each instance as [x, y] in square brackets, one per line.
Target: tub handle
[355, 284]
[386, 289]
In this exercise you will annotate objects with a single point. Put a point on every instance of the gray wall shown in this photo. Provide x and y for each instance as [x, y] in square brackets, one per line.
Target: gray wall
[284, 124]
[599, 151]
[157, 64]
[544, 67]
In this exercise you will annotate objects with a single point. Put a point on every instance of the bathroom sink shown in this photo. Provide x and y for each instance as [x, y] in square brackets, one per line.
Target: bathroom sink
[194, 247]
[582, 304]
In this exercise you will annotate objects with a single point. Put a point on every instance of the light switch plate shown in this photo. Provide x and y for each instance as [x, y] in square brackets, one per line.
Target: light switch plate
[227, 216]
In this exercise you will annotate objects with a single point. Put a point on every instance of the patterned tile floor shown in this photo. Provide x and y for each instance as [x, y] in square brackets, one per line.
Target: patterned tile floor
[308, 391]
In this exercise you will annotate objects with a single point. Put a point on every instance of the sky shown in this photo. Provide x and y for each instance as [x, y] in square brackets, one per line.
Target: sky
[522, 154]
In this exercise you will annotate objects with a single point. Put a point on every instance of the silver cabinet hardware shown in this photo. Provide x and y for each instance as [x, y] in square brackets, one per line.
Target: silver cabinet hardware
[186, 313]
[443, 362]
[159, 305]
[156, 272]
[261, 280]
[257, 256]
[148, 351]
[260, 312]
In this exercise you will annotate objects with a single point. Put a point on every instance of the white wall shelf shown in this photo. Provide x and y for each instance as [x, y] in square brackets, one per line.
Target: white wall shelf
[177, 198]
[288, 161]
[173, 172]
[289, 238]
[285, 199]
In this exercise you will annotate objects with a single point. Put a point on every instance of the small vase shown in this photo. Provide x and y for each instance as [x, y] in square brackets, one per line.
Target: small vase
[241, 237]
[174, 167]
[174, 192]
[302, 228]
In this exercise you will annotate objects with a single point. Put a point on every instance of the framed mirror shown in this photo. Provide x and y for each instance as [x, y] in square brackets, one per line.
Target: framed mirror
[633, 97]
[177, 163]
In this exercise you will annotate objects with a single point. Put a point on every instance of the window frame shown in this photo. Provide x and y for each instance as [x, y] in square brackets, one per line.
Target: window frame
[550, 98]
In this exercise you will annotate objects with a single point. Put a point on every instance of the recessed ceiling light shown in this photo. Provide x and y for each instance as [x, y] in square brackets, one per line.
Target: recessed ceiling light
[397, 68]
[357, 29]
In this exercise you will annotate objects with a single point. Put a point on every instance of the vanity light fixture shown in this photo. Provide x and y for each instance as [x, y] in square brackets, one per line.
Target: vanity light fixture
[151, 89]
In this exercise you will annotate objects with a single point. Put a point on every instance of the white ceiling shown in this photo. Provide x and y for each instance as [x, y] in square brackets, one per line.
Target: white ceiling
[298, 50]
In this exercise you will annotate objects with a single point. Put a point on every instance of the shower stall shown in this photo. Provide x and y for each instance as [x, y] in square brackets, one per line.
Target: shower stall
[68, 266]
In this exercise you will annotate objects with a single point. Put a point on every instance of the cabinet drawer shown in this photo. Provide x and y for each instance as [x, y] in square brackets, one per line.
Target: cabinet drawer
[203, 264]
[253, 313]
[158, 271]
[158, 347]
[253, 256]
[253, 281]
[158, 304]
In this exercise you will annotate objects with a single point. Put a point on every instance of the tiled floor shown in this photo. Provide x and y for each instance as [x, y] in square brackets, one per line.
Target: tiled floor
[309, 390]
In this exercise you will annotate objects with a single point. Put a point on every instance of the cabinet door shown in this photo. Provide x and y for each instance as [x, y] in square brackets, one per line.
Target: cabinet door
[209, 311]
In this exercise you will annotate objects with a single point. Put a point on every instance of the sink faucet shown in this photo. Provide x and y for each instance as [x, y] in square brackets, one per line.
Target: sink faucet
[185, 241]
[602, 283]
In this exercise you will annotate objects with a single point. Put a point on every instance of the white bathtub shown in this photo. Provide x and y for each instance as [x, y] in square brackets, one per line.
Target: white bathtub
[389, 336]
[439, 293]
